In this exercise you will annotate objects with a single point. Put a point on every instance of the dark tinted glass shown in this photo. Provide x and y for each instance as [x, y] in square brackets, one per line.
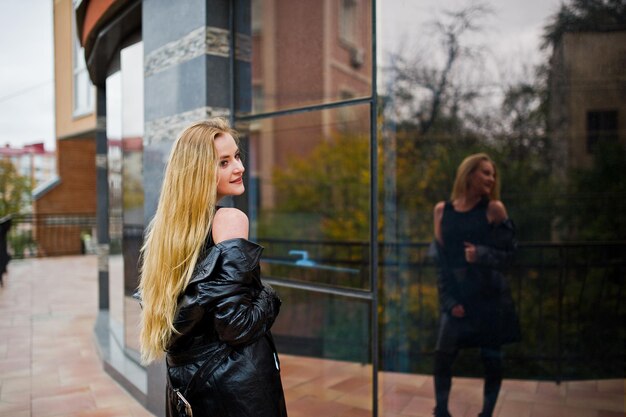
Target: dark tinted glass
[309, 195]
[539, 87]
[125, 151]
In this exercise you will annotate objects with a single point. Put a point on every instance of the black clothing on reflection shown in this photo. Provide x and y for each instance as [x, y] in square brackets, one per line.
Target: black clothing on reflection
[490, 319]
[226, 308]
[492, 363]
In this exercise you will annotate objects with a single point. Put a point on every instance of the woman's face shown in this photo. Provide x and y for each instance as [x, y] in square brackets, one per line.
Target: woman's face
[230, 168]
[483, 179]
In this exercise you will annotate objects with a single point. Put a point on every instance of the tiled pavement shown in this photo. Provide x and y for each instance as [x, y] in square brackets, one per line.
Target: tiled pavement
[49, 366]
[340, 389]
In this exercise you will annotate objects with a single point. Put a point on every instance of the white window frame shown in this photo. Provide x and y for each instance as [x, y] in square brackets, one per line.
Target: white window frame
[81, 106]
[348, 21]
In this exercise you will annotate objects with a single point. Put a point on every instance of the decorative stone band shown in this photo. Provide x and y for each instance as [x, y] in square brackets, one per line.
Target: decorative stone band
[103, 257]
[101, 161]
[167, 128]
[204, 40]
[243, 47]
[101, 123]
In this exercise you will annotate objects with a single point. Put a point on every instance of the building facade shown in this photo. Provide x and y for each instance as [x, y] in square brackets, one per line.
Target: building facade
[588, 91]
[33, 162]
[353, 116]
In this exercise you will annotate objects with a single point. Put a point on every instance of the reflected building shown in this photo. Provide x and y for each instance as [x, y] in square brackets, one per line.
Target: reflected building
[588, 86]
[32, 161]
[65, 203]
[341, 181]
[320, 54]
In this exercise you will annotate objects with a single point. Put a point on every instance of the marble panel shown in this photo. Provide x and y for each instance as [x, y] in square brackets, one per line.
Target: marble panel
[199, 82]
[165, 21]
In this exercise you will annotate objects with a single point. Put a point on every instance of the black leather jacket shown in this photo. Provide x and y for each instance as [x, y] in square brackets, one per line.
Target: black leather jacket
[491, 318]
[225, 314]
[495, 256]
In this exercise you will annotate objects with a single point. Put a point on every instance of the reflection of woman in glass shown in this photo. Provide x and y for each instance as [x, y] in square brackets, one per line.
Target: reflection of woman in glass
[474, 237]
[203, 301]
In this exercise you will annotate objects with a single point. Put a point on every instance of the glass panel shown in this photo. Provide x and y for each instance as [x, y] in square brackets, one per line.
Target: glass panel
[132, 149]
[83, 88]
[302, 53]
[116, 264]
[537, 89]
[324, 344]
[124, 90]
[309, 195]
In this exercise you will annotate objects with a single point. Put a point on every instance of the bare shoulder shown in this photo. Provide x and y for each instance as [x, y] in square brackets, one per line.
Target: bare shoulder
[230, 223]
[438, 210]
[437, 217]
[496, 212]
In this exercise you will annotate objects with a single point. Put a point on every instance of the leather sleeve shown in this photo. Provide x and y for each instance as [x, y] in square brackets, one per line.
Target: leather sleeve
[500, 253]
[227, 290]
[244, 309]
[448, 292]
[446, 282]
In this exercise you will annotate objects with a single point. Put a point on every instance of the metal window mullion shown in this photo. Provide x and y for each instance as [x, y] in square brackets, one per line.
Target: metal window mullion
[374, 216]
[354, 293]
[305, 109]
[372, 101]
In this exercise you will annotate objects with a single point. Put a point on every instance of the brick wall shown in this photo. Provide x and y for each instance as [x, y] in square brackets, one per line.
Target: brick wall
[75, 194]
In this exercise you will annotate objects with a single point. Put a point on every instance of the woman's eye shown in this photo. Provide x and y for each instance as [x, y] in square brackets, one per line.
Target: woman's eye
[223, 163]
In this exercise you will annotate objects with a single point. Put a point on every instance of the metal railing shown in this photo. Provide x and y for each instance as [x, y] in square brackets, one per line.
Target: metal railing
[39, 235]
[569, 298]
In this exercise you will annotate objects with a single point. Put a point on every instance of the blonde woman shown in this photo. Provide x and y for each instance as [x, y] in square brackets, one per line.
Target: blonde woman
[474, 238]
[204, 305]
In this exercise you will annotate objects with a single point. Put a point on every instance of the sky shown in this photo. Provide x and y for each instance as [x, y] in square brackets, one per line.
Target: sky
[505, 51]
[26, 73]
[512, 32]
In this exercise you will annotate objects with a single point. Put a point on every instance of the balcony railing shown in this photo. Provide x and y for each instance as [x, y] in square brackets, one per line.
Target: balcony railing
[51, 235]
[569, 298]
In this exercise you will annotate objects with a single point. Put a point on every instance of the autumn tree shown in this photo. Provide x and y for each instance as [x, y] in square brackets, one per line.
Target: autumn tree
[428, 91]
[585, 16]
[330, 187]
[14, 189]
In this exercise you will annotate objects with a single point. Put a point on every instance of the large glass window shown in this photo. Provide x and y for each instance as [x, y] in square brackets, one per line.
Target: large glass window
[304, 53]
[303, 107]
[537, 89]
[114, 164]
[534, 87]
[124, 89]
[131, 59]
[309, 192]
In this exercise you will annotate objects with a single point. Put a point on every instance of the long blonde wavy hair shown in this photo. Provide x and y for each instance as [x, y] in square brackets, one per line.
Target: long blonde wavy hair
[464, 172]
[178, 230]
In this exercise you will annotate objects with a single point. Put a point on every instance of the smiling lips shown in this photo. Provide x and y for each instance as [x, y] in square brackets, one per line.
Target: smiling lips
[237, 181]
